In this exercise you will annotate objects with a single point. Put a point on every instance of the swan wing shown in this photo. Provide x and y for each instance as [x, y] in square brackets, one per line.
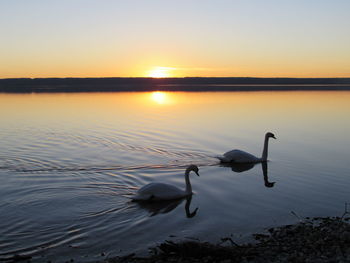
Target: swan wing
[158, 191]
[239, 156]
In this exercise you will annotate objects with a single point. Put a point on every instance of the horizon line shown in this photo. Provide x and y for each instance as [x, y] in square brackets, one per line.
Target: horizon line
[160, 78]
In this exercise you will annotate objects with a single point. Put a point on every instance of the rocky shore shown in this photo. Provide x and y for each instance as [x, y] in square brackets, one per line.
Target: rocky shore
[314, 240]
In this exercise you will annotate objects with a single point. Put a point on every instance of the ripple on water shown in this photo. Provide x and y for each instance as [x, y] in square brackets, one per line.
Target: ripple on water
[65, 189]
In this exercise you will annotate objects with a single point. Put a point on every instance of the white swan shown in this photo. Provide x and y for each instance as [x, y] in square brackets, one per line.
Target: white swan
[161, 191]
[238, 156]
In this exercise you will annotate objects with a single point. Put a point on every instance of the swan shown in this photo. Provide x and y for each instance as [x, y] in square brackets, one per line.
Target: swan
[238, 156]
[161, 191]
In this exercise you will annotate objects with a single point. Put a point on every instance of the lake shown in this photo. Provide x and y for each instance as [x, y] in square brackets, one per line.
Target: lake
[69, 163]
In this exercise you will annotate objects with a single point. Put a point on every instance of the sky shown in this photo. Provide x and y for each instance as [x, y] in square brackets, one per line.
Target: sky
[182, 38]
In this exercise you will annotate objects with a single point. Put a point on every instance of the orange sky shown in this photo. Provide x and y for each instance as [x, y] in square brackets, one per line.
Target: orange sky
[174, 39]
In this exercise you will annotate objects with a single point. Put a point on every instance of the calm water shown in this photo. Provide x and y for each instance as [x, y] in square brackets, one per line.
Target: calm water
[70, 162]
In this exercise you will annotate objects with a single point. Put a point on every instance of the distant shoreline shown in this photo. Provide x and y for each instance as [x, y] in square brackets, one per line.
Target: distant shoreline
[57, 85]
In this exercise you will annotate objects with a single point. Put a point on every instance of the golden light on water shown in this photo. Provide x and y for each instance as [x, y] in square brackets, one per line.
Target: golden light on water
[160, 72]
[159, 97]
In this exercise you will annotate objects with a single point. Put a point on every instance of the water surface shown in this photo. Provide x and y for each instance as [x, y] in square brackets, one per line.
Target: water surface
[70, 162]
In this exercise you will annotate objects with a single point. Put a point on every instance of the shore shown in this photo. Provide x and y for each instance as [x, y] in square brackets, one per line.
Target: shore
[53, 85]
[312, 240]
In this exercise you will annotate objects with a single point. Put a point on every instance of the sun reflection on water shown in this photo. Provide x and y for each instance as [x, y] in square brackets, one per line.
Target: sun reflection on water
[159, 97]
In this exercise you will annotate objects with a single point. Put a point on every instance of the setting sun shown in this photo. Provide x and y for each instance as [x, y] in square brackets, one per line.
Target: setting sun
[159, 72]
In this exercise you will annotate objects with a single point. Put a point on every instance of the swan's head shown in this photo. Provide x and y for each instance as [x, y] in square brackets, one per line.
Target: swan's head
[270, 135]
[193, 168]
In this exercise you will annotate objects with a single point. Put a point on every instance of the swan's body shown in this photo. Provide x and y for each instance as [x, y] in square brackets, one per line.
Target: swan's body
[161, 191]
[238, 156]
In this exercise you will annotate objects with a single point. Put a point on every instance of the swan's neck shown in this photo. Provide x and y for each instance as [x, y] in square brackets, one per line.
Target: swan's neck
[265, 150]
[187, 180]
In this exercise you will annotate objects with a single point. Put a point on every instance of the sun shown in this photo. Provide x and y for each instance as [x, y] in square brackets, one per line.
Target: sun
[159, 72]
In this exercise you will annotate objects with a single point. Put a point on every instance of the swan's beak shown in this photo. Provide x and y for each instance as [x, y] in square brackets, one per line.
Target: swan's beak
[274, 137]
[197, 173]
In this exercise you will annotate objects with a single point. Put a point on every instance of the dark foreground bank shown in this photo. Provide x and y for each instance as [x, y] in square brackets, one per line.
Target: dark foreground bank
[46, 85]
[313, 240]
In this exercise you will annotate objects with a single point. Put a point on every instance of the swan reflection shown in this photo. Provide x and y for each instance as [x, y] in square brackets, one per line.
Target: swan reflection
[241, 167]
[163, 207]
[266, 178]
